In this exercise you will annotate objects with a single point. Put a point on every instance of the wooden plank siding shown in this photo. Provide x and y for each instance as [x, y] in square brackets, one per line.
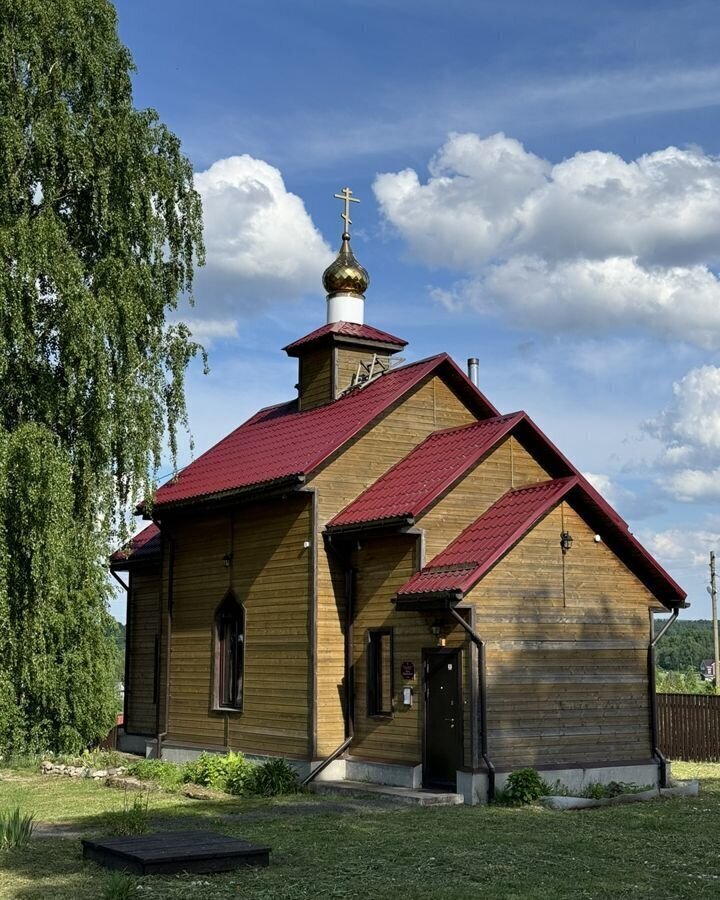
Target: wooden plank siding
[429, 408]
[143, 622]
[508, 466]
[315, 368]
[383, 565]
[270, 575]
[567, 651]
[347, 360]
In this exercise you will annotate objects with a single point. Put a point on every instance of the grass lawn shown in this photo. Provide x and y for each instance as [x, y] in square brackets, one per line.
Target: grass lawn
[665, 849]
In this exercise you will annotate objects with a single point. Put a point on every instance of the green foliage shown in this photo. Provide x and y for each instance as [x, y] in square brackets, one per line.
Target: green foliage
[119, 887]
[133, 818]
[15, 828]
[688, 682]
[90, 759]
[166, 774]
[221, 773]
[685, 646]
[100, 229]
[524, 786]
[272, 778]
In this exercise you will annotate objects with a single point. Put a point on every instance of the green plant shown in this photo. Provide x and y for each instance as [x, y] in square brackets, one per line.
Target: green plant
[166, 774]
[118, 887]
[524, 786]
[274, 777]
[238, 774]
[222, 773]
[133, 818]
[15, 828]
[90, 759]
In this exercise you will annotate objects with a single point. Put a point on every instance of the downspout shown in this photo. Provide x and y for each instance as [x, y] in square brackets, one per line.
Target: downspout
[482, 686]
[656, 752]
[348, 674]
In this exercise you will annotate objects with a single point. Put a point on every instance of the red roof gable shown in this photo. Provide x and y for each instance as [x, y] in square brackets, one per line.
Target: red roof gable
[345, 329]
[485, 541]
[282, 442]
[144, 546]
[413, 484]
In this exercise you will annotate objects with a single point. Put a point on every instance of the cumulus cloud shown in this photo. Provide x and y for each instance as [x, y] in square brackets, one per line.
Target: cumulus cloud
[591, 243]
[689, 429]
[681, 545]
[261, 242]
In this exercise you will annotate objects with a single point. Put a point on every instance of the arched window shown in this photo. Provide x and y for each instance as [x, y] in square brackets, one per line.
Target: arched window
[229, 653]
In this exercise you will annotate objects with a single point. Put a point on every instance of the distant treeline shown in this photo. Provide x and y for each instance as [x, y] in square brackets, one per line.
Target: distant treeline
[685, 646]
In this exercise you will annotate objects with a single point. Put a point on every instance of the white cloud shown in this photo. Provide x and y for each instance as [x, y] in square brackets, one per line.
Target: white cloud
[261, 242]
[681, 545]
[689, 429]
[693, 485]
[205, 331]
[591, 243]
[607, 488]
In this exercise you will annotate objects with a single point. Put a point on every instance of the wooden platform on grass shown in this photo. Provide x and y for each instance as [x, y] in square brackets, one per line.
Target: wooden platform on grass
[166, 852]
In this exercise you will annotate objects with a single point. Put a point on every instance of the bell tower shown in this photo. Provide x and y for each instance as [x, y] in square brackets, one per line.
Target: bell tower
[344, 353]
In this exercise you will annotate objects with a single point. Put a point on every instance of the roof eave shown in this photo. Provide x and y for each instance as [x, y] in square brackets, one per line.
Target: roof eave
[233, 495]
[374, 525]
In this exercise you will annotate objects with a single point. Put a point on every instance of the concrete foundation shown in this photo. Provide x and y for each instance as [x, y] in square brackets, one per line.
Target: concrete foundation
[132, 743]
[383, 773]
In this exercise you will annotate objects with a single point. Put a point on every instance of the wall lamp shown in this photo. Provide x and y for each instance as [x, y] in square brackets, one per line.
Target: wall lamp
[566, 541]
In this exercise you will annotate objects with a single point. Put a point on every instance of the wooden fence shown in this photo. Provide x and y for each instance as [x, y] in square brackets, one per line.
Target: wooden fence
[689, 726]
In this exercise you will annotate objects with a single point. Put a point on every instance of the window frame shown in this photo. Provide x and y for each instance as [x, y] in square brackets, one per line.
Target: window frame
[375, 673]
[229, 611]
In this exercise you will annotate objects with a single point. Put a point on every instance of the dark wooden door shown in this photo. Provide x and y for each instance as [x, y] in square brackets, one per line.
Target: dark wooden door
[443, 718]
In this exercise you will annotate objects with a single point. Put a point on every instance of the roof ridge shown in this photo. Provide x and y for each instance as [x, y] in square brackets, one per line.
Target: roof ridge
[491, 420]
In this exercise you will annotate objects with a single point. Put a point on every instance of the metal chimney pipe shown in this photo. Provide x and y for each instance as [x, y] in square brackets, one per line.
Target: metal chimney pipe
[474, 370]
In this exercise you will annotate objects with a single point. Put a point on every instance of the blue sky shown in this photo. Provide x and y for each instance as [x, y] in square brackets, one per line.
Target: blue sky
[540, 188]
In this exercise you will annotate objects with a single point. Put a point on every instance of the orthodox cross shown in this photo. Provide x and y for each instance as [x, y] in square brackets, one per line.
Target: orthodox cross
[346, 195]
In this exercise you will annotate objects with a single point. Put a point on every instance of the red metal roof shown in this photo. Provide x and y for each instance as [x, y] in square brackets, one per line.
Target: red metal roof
[485, 541]
[413, 484]
[346, 329]
[281, 442]
[143, 546]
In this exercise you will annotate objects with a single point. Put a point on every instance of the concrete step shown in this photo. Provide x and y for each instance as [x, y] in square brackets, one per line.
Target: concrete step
[387, 792]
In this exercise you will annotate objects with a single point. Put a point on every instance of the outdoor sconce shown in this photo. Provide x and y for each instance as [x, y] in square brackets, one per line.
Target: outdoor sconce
[566, 541]
[227, 559]
[437, 632]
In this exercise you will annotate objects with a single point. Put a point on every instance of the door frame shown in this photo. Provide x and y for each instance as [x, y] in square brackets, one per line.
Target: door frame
[427, 652]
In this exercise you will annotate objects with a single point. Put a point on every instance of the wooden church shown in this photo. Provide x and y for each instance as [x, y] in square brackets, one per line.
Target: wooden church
[385, 579]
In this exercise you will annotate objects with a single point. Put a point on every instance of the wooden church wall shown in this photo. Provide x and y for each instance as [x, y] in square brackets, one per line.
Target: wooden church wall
[316, 378]
[432, 407]
[383, 565]
[270, 575]
[141, 689]
[510, 465]
[346, 365]
[567, 651]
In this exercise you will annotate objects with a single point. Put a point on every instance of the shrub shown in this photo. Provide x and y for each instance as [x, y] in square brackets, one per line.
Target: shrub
[524, 786]
[91, 759]
[15, 829]
[222, 773]
[274, 777]
[166, 774]
[133, 818]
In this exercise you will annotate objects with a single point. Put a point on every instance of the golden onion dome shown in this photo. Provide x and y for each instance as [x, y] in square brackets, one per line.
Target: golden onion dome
[345, 275]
